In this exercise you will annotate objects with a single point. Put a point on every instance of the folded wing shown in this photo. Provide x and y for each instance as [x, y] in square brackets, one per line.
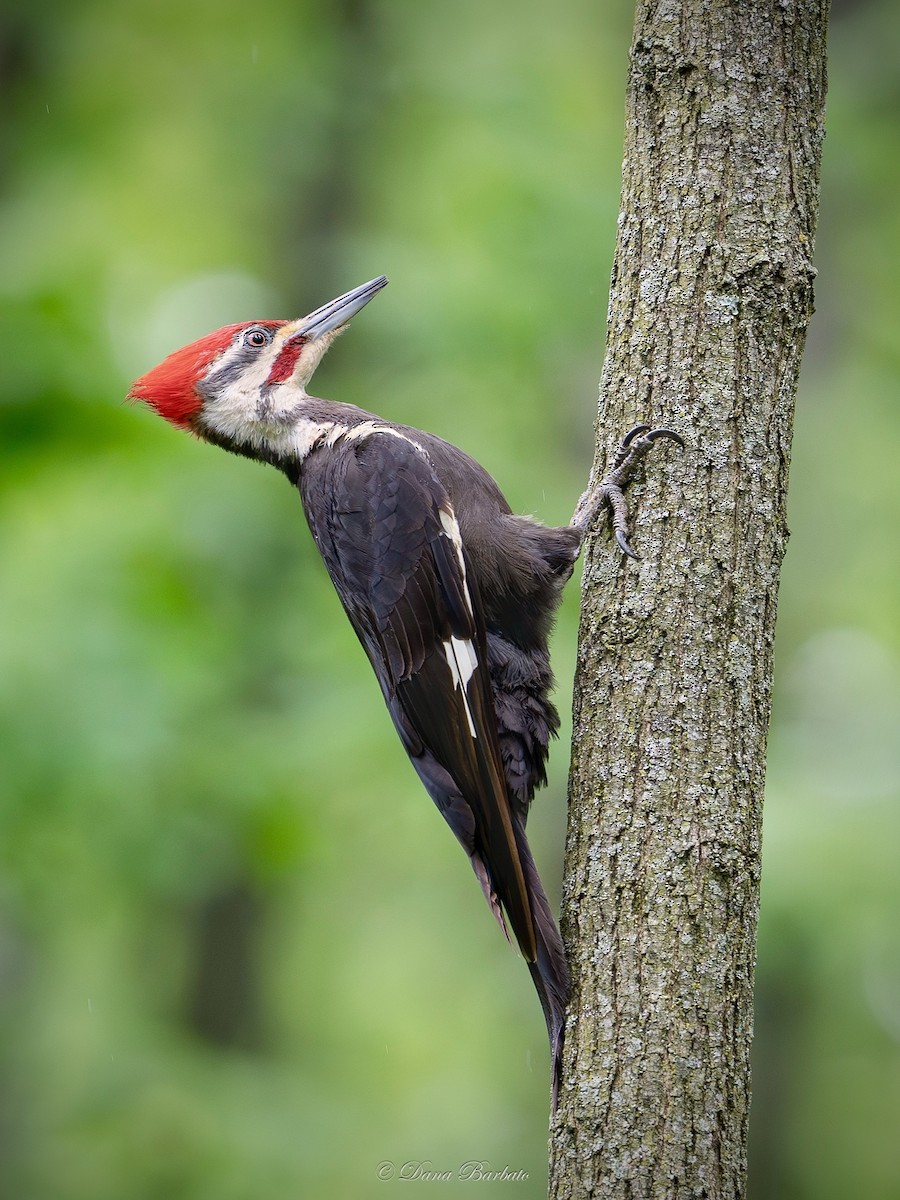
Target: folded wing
[388, 535]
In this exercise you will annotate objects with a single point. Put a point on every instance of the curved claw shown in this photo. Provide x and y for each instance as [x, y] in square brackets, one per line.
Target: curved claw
[632, 434]
[624, 544]
[666, 433]
[632, 448]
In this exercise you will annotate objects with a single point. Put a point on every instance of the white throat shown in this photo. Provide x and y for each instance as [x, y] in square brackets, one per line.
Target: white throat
[266, 422]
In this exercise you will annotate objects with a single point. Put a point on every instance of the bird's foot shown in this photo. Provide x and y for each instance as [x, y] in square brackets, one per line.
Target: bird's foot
[611, 488]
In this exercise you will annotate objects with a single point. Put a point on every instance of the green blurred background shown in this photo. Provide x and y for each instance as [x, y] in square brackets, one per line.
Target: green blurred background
[240, 954]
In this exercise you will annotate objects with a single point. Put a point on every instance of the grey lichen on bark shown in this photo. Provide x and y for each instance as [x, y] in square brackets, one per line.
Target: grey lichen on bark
[710, 300]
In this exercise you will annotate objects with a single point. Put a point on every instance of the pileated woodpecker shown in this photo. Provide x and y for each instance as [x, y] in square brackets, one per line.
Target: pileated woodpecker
[451, 595]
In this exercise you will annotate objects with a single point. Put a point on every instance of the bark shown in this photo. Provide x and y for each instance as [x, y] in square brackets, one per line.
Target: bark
[710, 299]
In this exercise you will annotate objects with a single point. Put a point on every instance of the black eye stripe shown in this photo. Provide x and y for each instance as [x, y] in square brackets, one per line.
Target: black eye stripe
[237, 361]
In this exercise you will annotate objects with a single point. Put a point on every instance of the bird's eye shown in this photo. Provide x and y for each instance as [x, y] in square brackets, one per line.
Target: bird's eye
[257, 338]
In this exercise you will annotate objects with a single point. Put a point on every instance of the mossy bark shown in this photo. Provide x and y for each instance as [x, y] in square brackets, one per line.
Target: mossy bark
[710, 300]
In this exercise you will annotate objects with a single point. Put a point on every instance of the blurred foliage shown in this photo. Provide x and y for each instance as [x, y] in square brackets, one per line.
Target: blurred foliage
[240, 955]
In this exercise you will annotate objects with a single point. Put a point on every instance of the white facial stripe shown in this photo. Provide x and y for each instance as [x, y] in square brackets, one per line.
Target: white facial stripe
[462, 661]
[302, 436]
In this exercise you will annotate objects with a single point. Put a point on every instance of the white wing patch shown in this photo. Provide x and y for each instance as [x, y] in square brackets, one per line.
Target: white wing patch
[462, 661]
[460, 652]
[450, 526]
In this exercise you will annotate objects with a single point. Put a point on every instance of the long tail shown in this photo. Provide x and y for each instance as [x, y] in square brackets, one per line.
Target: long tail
[549, 970]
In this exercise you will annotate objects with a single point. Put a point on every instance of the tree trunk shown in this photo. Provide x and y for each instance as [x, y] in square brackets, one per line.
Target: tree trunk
[710, 299]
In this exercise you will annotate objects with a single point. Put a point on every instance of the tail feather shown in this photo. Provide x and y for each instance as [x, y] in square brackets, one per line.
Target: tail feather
[549, 971]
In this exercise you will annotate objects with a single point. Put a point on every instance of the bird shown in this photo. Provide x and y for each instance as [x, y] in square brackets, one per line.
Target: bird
[451, 594]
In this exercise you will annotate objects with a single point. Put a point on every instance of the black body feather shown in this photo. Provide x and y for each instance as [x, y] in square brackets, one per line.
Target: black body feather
[428, 560]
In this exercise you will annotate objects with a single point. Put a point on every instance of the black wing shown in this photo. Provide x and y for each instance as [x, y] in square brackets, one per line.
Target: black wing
[386, 529]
